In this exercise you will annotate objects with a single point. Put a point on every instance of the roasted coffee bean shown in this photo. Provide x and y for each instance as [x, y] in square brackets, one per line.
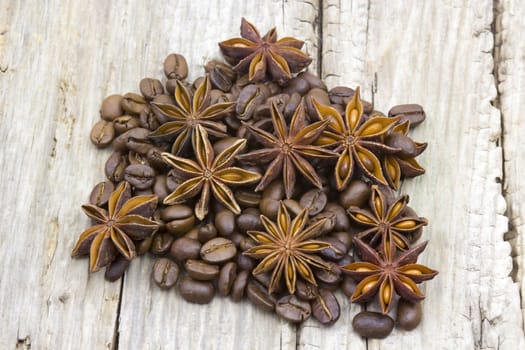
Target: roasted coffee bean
[175, 67]
[218, 250]
[348, 286]
[244, 262]
[179, 218]
[223, 144]
[313, 80]
[339, 94]
[173, 180]
[329, 223]
[372, 324]
[320, 95]
[150, 88]
[139, 145]
[336, 251]
[331, 276]
[144, 246]
[140, 176]
[137, 158]
[247, 243]
[236, 238]
[342, 222]
[115, 166]
[225, 222]
[148, 119]
[184, 248]
[269, 207]
[293, 309]
[408, 314]
[193, 233]
[405, 144]
[197, 292]
[239, 285]
[207, 232]
[133, 103]
[144, 192]
[201, 271]
[165, 273]
[226, 278]
[265, 110]
[100, 194]
[293, 206]
[165, 100]
[116, 269]
[221, 75]
[315, 200]
[275, 190]
[171, 85]
[125, 123]
[111, 107]
[346, 260]
[250, 220]
[102, 134]
[155, 159]
[136, 134]
[292, 104]
[343, 237]
[411, 112]
[160, 189]
[298, 85]
[259, 295]
[356, 194]
[161, 243]
[325, 307]
[249, 98]
[306, 291]
[248, 199]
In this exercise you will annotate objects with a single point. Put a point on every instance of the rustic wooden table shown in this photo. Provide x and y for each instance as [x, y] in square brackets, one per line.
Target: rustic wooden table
[463, 60]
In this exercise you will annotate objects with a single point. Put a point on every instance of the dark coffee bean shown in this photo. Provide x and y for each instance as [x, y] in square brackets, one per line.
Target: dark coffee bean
[293, 309]
[248, 199]
[144, 192]
[111, 107]
[175, 67]
[348, 286]
[346, 260]
[179, 218]
[125, 123]
[225, 222]
[193, 233]
[218, 250]
[207, 232]
[315, 200]
[306, 291]
[320, 95]
[293, 206]
[239, 285]
[258, 294]
[102, 133]
[155, 159]
[171, 85]
[356, 194]
[404, 143]
[249, 98]
[184, 248]
[313, 80]
[343, 237]
[247, 243]
[116, 269]
[245, 263]
[137, 158]
[336, 251]
[408, 314]
[140, 176]
[227, 276]
[292, 104]
[331, 276]
[232, 122]
[165, 100]
[161, 243]
[249, 220]
[197, 292]
[100, 194]
[160, 189]
[133, 103]
[236, 238]
[173, 180]
[342, 222]
[148, 119]
[221, 75]
[122, 142]
[223, 144]
[196, 83]
[144, 246]
[329, 223]
[150, 88]
[115, 166]
[165, 273]
[325, 307]
[411, 112]
[269, 207]
[372, 324]
[275, 190]
[298, 85]
[339, 94]
[201, 271]
[139, 145]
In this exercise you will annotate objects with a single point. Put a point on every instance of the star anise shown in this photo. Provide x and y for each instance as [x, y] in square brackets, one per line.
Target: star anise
[261, 56]
[190, 112]
[386, 221]
[388, 273]
[209, 173]
[288, 248]
[125, 221]
[402, 163]
[287, 149]
[355, 139]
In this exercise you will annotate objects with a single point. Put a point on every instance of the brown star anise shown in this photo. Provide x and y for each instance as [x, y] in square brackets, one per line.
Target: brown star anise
[125, 221]
[209, 173]
[190, 112]
[386, 221]
[388, 273]
[288, 248]
[258, 56]
[287, 149]
[355, 139]
[402, 163]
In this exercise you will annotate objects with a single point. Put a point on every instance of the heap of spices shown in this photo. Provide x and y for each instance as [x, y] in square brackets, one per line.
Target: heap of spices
[255, 180]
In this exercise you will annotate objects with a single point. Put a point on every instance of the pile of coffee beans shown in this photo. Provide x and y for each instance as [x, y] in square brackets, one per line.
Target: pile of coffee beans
[203, 258]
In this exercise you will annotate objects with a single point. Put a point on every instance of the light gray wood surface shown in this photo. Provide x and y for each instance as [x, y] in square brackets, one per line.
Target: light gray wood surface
[58, 59]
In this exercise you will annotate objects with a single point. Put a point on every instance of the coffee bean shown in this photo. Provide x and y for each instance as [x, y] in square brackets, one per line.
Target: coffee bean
[154, 156]
[406, 145]
[356, 194]
[329, 223]
[223, 144]
[320, 95]
[411, 112]
[197, 292]
[184, 248]
[259, 295]
[175, 67]
[246, 243]
[336, 251]
[193, 233]
[331, 276]
[140, 176]
[100, 194]
[165, 273]
[239, 285]
[115, 166]
[339, 94]
[245, 263]
[343, 237]
[248, 199]
[116, 269]
[201, 271]
[133, 103]
[408, 314]
[161, 243]
[221, 75]
[144, 192]
[111, 107]
[150, 88]
[207, 232]
[275, 190]
[298, 85]
[102, 134]
[122, 142]
[348, 286]
[179, 218]
[137, 158]
[227, 276]
[269, 207]
[325, 307]
[292, 104]
[125, 123]
[306, 291]
[315, 200]
[372, 324]
[160, 189]
[342, 222]
[249, 220]
[148, 119]
[293, 309]
[293, 206]
[225, 222]
[144, 246]
[218, 250]
[249, 98]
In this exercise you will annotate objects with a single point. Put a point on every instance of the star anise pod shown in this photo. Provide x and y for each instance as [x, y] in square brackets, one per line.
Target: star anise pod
[402, 163]
[116, 229]
[261, 56]
[357, 141]
[287, 149]
[209, 173]
[190, 112]
[288, 248]
[387, 273]
[386, 221]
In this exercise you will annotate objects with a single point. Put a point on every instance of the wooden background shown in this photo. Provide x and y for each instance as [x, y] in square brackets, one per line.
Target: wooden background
[464, 61]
